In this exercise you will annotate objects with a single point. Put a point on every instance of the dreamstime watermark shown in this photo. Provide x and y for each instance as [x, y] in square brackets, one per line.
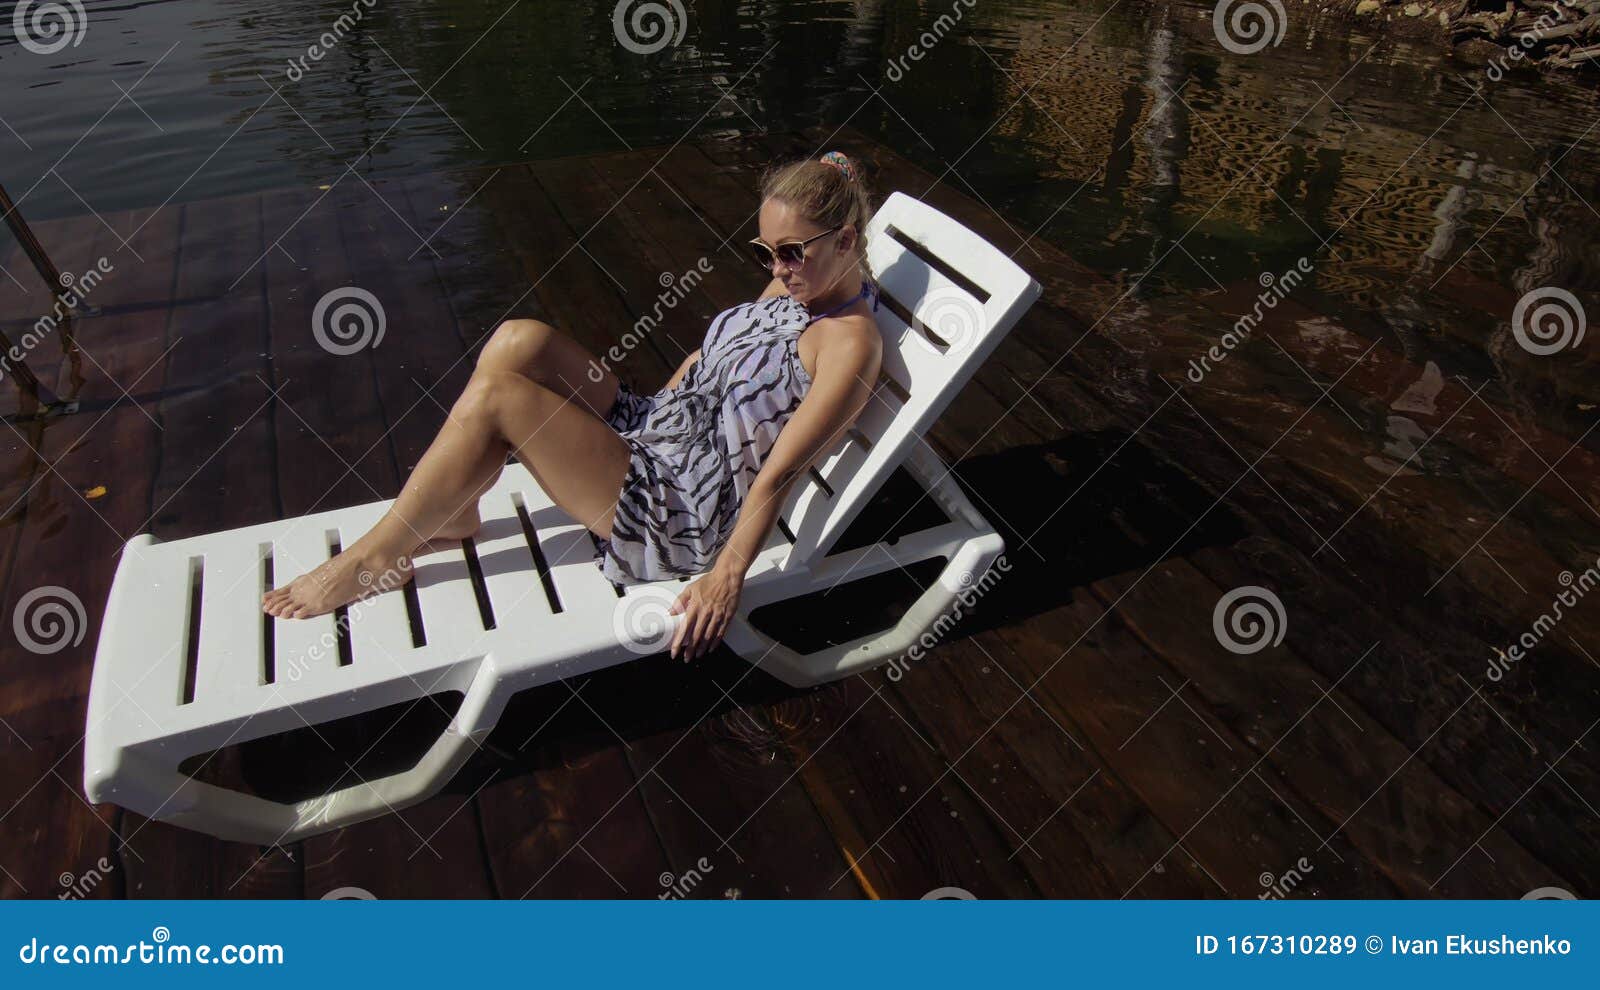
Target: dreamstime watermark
[1273, 291]
[972, 589]
[349, 894]
[949, 894]
[1550, 894]
[643, 621]
[75, 290]
[644, 27]
[928, 39]
[678, 887]
[1523, 43]
[47, 28]
[1249, 619]
[954, 316]
[329, 39]
[1253, 26]
[1577, 587]
[328, 643]
[348, 320]
[675, 289]
[76, 888]
[48, 620]
[1275, 888]
[1548, 320]
[160, 950]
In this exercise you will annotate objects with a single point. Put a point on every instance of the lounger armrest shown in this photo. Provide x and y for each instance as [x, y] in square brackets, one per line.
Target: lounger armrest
[965, 572]
[160, 791]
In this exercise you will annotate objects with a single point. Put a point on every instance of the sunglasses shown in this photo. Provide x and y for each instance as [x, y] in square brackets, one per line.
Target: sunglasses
[791, 253]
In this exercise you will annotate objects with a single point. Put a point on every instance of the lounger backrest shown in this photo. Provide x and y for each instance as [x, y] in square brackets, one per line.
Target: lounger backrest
[948, 297]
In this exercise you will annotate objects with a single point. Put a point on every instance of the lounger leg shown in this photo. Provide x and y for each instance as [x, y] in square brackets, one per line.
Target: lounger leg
[163, 793]
[920, 628]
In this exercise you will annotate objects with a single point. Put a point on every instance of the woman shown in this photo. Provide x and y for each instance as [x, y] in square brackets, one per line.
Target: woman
[687, 481]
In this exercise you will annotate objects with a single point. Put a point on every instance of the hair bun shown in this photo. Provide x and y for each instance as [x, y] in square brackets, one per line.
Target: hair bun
[842, 162]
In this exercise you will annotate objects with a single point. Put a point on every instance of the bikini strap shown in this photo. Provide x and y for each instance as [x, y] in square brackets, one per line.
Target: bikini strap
[867, 288]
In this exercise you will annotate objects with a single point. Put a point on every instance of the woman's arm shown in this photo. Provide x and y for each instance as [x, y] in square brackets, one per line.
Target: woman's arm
[683, 369]
[774, 288]
[847, 370]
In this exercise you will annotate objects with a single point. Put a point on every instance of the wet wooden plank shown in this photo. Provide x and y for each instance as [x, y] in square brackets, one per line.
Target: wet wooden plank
[334, 433]
[51, 843]
[564, 817]
[1076, 828]
[1482, 427]
[904, 820]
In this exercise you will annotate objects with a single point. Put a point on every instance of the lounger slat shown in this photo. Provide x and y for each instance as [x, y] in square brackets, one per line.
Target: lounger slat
[569, 554]
[939, 303]
[449, 608]
[155, 603]
[231, 620]
[516, 592]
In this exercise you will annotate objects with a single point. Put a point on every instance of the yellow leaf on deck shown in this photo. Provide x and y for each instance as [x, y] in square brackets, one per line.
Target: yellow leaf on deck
[95, 492]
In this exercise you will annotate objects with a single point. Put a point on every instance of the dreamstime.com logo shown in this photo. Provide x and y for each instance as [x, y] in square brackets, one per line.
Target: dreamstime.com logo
[1254, 25]
[77, 887]
[674, 290]
[1548, 320]
[48, 620]
[1524, 41]
[644, 27]
[1274, 289]
[329, 39]
[74, 292]
[676, 888]
[1575, 586]
[159, 951]
[973, 587]
[327, 644]
[47, 28]
[348, 320]
[935, 33]
[1249, 619]
[1274, 888]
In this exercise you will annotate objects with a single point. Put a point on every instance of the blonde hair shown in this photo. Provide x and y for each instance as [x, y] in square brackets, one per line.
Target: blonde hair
[829, 191]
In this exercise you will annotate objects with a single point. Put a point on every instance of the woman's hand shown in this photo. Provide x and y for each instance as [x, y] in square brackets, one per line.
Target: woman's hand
[708, 604]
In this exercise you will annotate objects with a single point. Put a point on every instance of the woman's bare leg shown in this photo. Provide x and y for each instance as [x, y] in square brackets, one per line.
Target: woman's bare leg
[535, 350]
[575, 456]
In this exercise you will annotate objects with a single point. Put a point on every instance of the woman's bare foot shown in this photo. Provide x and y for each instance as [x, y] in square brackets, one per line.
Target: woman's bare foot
[351, 575]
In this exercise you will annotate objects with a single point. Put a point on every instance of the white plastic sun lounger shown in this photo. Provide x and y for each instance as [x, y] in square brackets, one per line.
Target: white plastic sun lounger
[187, 663]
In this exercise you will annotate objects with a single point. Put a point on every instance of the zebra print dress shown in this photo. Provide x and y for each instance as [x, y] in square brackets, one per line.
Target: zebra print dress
[696, 449]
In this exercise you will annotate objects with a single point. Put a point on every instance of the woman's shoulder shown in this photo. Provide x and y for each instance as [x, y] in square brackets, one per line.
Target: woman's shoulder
[850, 332]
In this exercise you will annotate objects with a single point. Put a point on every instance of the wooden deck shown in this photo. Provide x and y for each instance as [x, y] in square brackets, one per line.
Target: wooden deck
[1082, 733]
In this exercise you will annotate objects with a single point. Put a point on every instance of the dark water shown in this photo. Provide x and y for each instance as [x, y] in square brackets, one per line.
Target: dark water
[1123, 132]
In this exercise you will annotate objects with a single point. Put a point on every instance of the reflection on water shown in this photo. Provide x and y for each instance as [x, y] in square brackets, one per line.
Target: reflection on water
[1119, 131]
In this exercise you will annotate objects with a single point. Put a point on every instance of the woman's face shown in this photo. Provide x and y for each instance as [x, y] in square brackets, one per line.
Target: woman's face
[829, 260]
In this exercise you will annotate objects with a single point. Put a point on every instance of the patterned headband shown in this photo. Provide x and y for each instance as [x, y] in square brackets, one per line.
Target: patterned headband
[839, 161]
